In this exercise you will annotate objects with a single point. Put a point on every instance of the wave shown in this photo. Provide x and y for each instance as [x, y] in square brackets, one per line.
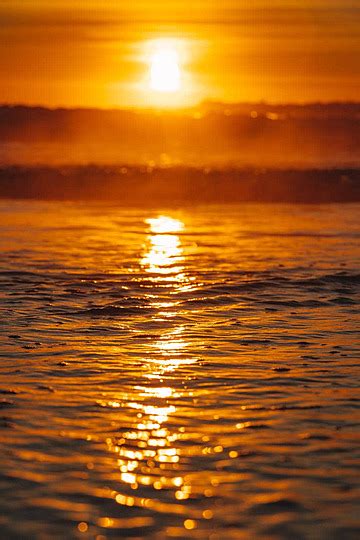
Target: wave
[181, 185]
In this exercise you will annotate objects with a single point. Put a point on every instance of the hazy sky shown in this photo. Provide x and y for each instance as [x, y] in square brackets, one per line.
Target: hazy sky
[83, 52]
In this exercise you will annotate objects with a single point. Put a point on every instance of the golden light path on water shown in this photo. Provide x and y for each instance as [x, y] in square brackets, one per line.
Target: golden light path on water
[164, 248]
[147, 454]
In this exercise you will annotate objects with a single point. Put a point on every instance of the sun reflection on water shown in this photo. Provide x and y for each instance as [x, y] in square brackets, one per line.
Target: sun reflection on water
[147, 453]
[165, 224]
[165, 254]
[171, 352]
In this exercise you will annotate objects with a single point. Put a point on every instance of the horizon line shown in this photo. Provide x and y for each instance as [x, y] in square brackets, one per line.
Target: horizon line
[206, 102]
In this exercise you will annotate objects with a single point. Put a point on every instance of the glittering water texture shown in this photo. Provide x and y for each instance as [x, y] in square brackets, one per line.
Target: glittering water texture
[177, 374]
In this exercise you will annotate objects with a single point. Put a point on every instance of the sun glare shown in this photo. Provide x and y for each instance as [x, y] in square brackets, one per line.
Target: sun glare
[165, 74]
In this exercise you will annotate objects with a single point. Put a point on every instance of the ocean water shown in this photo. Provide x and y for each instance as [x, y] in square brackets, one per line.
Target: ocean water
[174, 373]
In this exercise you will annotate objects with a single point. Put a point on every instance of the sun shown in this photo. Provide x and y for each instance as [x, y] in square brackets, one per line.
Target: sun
[165, 73]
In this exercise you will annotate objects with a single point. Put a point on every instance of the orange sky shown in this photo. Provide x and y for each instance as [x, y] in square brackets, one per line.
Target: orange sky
[96, 53]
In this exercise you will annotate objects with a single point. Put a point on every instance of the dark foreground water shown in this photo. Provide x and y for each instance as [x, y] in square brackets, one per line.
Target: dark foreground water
[179, 374]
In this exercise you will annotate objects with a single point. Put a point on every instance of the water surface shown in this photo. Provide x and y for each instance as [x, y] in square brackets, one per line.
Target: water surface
[179, 373]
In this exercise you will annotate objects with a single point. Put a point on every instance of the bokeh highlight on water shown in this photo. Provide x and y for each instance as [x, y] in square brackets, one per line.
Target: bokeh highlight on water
[179, 373]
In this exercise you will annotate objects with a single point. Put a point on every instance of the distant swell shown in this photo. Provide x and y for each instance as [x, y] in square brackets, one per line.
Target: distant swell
[115, 311]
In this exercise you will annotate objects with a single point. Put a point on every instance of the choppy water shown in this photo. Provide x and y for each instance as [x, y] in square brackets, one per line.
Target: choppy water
[176, 374]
